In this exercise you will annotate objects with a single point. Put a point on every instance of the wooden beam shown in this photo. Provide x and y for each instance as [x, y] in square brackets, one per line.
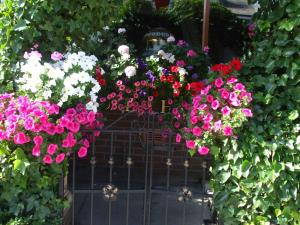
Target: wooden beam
[205, 25]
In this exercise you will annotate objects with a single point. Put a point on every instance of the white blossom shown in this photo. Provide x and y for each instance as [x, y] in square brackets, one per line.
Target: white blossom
[171, 39]
[123, 49]
[121, 30]
[130, 71]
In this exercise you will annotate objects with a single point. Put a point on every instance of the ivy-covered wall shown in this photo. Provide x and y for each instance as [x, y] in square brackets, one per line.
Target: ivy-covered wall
[257, 177]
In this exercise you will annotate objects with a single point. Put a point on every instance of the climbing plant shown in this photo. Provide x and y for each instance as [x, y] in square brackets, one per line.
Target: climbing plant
[256, 177]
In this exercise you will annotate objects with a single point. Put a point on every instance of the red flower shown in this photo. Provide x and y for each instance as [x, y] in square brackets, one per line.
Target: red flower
[188, 87]
[197, 86]
[176, 85]
[170, 79]
[176, 93]
[102, 82]
[155, 94]
[174, 69]
[163, 78]
[236, 63]
[98, 73]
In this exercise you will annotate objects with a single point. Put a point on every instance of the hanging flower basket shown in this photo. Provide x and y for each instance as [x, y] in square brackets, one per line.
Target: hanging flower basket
[161, 3]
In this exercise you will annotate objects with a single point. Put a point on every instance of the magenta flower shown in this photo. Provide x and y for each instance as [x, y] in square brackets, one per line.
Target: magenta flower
[56, 56]
[52, 149]
[209, 98]
[226, 111]
[215, 104]
[191, 53]
[60, 158]
[206, 50]
[36, 151]
[231, 80]
[197, 131]
[224, 94]
[178, 138]
[82, 152]
[217, 125]
[47, 159]
[38, 140]
[20, 138]
[190, 144]
[227, 131]
[219, 82]
[203, 150]
[247, 112]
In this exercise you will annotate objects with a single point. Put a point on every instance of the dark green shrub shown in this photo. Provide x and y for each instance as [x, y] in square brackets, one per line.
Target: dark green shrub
[257, 178]
[28, 189]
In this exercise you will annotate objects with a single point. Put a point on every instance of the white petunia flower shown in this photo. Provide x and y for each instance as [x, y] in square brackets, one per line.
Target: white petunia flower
[130, 71]
[171, 39]
[121, 30]
[123, 49]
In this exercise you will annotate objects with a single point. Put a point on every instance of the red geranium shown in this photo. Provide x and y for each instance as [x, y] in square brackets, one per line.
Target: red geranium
[163, 78]
[176, 85]
[170, 78]
[236, 63]
[174, 69]
[196, 86]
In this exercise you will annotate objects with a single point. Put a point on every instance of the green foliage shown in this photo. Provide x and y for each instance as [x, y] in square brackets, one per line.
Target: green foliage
[52, 24]
[257, 177]
[29, 190]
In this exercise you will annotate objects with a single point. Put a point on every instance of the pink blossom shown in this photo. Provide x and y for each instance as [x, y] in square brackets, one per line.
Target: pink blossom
[56, 56]
[203, 107]
[247, 112]
[239, 87]
[36, 151]
[177, 125]
[33, 55]
[209, 98]
[208, 117]
[206, 126]
[197, 131]
[52, 148]
[236, 103]
[150, 98]
[191, 53]
[47, 159]
[102, 99]
[226, 111]
[60, 158]
[227, 131]
[231, 80]
[217, 125]
[232, 96]
[215, 104]
[180, 63]
[178, 138]
[71, 111]
[206, 50]
[170, 102]
[119, 83]
[91, 117]
[224, 94]
[59, 129]
[194, 120]
[219, 82]
[38, 140]
[20, 138]
[82, 152]
[203, 150]
[190, 144]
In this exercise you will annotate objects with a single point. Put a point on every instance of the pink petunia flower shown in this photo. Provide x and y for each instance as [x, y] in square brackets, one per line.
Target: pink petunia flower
[226, 111]
[56, 56]
[215, 104]
[178, 138]
[227, 131]
[190, 144]
[47, 159]
[247, 112]
[52, 148]
[38, 140]
[59, 158]
[203, 150]
[20, 138]
[197, 131]
[219, 82]
[82, 152]
[36, 151]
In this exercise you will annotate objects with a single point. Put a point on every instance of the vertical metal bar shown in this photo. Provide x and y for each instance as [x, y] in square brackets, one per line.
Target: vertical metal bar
[146, 175]
[151, 169]
[169, 163]
[73, 189]
[92, 178]
[186, 166]
[205, 26]
[111, 162]
[203, 186]
[129, 162]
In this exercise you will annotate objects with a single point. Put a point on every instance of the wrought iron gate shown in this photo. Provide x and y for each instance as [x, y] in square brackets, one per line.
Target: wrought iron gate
[135, 177]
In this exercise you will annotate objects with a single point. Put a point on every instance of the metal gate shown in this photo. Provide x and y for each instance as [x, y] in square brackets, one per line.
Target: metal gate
[135, 177]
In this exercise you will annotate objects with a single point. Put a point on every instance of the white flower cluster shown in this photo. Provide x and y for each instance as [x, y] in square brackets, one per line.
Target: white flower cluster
[62, 81]
[129, 71]
[167, 56]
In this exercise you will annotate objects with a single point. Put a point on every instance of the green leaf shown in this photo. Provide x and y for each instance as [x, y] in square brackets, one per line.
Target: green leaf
[224, 176]
[20, 166]
[21, 25]
[293, 115]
